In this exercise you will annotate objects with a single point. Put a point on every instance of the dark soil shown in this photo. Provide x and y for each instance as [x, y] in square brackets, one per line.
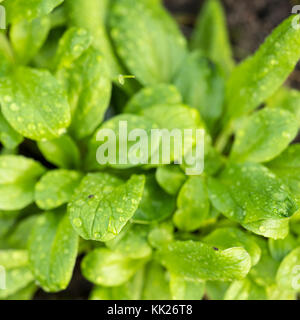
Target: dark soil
[249, 22]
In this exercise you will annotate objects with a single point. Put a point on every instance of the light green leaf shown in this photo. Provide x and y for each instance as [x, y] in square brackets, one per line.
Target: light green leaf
[198, 261]
[193, 205]
[202, 86]
[216, 289]
[27, 37]
[264, 135]
[276, 293]
[165, 94]
[131, 290]
[8, 136]
[252, 195]
[288, 274]
[18, 176]
[107, 148]
[211, 35]
[91, 15]
[182, 289]
[156, 286]
[53, 247]
[224, 238]
[160, 48]
[156, 205]
[18, 10]
[161, 234]
[287, 168]
[107, 268]
[132, 242]
[17, 273]
[245, 290]
[282, 247]
[34, 104]
[103, 204]
[63, 152]
[264, 272]
[170, 178]
[73, 43]
[287, 99]
[258, 77]
[56, 188]
[89, 91]
[26, 293]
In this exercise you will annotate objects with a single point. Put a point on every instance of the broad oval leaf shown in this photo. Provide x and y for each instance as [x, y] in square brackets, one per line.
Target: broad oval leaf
[288, 274]
[34, 104]
[108, 268]
[160, 48]
[193, 205]
[53, 247]
[198, 261]
[258, 77]
[264, 135]
[56, 188]
[103, 204]
[253, 196]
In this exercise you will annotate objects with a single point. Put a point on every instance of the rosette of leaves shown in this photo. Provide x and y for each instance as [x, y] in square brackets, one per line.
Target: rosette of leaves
[145, 231]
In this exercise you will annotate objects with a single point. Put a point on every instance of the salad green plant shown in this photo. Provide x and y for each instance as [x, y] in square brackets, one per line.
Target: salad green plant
[69, 68]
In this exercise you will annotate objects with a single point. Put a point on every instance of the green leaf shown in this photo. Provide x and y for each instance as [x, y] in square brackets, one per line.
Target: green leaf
[34, 104]
[288, 272]
[160, 48]
[63, 152]
[216, 289]
[89, 91]
[193, 205]
[17, 273]
[264, 272]
[26, 293]
[287, 99]
[156, 286]
[131, 290]
[56, 188]
[27, 37]
[107, 268]
[198, 261]
[91, 15]
[276, 293]
[7, 220]
[53, 247]
[252, 195]
[18, 176]
[162, 94]
[211, 35]
[73, 43]
[264, 135]
[287, 168]
[156, 205]
[282, 247]
[258, 77]
[224, 238]
[8, 136]
[18, 238]
[103, 204]
[18, 10]
[107, 148]
[182, 289]
[170, 178]
[245, 290]
[132, 242]
[202, 86]
[161, 234]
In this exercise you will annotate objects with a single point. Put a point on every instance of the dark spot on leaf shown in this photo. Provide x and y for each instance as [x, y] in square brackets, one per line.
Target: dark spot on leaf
[91, 196]
[216, 249]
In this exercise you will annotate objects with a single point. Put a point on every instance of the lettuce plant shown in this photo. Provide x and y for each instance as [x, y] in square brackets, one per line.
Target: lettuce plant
[145, 232]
